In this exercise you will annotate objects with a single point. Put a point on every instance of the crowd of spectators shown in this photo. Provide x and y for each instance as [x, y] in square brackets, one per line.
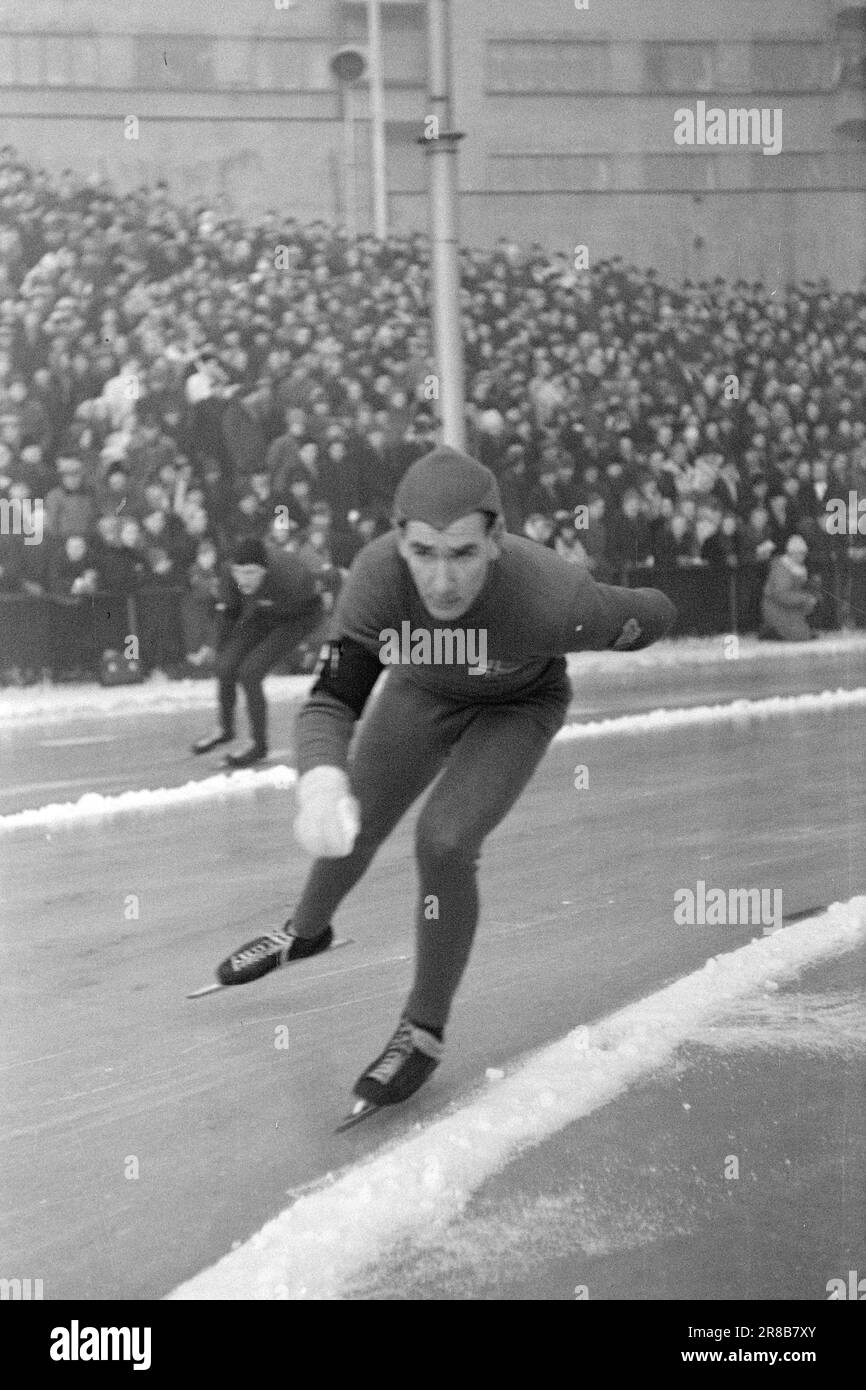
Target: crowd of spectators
[172, 376]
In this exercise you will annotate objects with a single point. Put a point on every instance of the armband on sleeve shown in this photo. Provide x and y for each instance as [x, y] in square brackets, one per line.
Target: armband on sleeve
[347, 672]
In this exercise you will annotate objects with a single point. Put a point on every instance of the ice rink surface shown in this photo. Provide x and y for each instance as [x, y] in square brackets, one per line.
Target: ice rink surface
[145, 1135]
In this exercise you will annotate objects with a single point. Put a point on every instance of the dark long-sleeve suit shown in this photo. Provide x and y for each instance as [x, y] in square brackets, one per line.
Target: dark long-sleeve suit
[485, 731]
[256, 632]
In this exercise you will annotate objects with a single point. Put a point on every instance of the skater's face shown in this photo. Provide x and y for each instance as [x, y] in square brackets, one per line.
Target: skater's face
[249, 578]
[450, 567]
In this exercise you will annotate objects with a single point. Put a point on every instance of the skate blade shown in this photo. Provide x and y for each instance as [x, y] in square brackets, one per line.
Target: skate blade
[206, 989]
[359, 1112]
[214, 988]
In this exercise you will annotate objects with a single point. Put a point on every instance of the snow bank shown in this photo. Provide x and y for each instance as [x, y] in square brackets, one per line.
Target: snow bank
[94, 804]
[735, 711]
[327, 1237]
[60, 703]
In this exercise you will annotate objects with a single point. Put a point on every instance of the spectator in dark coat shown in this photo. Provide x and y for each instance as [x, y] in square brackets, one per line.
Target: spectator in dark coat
[676, 545]
[120, 569]
[515, 488]
[72, 571]
[781, 524]
[339, 480]
[628, 534]
[815, 488]
[245, 442]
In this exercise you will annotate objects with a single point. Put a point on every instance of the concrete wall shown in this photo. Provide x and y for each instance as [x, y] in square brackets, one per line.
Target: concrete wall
[236, 100]
[769, 236]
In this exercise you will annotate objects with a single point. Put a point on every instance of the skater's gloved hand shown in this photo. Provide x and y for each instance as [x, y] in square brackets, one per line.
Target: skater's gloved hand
[329, 816]
[631, 631]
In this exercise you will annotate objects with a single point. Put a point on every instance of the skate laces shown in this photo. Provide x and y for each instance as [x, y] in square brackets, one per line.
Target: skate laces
[396, 1052]
[407, 1038]
[262, 946]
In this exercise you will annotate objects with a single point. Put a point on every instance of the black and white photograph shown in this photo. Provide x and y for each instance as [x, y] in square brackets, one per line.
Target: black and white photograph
[433, 667]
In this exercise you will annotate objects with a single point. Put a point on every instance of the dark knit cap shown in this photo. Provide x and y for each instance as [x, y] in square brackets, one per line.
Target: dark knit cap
[443, 486]
[249, 550]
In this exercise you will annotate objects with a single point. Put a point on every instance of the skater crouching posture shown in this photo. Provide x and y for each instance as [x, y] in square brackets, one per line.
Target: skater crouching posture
[267, 604]
[447, 579]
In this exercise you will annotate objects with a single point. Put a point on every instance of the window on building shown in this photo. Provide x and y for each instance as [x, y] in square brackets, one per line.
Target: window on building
[175, 60]
[677, 67]
[547, 66]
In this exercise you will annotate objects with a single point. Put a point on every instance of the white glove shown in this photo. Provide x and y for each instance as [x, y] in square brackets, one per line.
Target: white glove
[329, 816]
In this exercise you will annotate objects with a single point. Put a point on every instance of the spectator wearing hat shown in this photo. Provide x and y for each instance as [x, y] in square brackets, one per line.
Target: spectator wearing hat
[786, 603]
[267, 605]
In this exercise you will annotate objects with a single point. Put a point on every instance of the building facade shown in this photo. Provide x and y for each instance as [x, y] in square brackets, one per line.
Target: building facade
[568, 107]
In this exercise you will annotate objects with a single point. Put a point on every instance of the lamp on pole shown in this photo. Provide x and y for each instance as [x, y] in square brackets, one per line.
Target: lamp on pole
[348, 65]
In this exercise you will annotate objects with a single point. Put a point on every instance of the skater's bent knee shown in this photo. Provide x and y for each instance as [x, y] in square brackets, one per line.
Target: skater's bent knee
[442, 845]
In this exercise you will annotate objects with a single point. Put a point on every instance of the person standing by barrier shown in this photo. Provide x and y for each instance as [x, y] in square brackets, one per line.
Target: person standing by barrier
[786, 603]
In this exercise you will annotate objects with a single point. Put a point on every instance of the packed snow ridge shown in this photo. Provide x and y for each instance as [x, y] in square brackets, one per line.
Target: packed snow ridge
[95, 804]
[316, 1247]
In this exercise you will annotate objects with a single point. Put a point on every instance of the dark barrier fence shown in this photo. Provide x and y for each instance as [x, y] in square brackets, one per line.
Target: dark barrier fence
[711, 599]
[59, 637]
[63, 637]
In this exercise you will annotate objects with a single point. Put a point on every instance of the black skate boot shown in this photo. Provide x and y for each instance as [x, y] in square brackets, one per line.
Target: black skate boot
[246, 757]
[411, 1055]
[267, 953]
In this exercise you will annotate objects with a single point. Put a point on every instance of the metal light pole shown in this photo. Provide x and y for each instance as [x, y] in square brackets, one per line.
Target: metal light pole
[348, 65]
[377, 118]
[440, 143]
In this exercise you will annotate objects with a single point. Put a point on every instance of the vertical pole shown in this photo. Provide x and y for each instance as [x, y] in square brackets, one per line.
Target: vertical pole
[350, 200]
[377, 118]
[441, 150]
